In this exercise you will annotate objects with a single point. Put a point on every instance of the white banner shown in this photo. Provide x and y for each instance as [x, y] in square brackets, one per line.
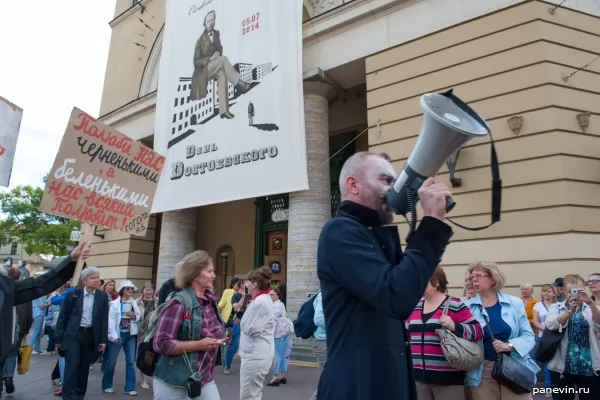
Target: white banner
[10, 123]
[230, 109]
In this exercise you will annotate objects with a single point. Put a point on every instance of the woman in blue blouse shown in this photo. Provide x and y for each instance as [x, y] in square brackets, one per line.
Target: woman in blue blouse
[508, 321]
[576, 363]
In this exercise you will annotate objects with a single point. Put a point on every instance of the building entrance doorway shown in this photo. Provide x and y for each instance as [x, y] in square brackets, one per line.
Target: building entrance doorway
[276, 256]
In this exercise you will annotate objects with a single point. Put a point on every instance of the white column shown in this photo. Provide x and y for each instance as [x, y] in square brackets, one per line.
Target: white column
[309, 210]
[178, 237]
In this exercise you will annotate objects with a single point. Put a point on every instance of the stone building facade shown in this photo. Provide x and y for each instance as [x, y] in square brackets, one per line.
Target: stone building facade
[365, 65]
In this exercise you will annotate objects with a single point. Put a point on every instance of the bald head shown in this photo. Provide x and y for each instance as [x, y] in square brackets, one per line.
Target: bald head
[357, 165]
[365, 179]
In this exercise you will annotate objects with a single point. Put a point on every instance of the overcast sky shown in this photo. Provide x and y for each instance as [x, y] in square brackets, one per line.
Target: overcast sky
[53, 59]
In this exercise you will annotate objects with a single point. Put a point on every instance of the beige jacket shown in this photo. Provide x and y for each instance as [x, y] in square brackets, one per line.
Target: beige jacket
[557, 364]
[257, 338]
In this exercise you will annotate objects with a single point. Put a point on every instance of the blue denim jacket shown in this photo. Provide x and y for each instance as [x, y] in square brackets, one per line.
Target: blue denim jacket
[319, 318]
[521, 335]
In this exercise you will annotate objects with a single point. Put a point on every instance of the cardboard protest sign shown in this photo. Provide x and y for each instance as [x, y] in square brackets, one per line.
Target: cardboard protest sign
[102, 177]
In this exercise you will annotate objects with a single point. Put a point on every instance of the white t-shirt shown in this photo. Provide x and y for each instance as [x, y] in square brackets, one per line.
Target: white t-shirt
[543, 311]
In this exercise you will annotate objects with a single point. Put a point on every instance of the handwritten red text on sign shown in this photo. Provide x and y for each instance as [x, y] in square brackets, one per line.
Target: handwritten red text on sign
[102, 177]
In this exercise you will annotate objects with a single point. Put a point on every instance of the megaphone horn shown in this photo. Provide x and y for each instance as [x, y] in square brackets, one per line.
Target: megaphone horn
[448, 123]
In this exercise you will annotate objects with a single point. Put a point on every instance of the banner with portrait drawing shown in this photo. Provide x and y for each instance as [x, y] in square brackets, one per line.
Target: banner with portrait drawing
[10, 124]
[102, 177]
[230, 110]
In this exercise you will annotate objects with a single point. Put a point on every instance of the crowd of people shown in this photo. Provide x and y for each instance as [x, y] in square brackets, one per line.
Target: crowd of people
[381, 323]
[91, 325]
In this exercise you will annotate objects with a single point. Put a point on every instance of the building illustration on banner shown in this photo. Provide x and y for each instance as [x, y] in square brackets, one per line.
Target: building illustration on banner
[198, 98]
[188, 113]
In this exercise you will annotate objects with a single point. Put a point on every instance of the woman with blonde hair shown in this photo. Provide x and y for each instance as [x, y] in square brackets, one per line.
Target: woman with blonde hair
[529, 302]
[540, 313]
[469, 291]
[110, 288]
[281, 338]
[147, 303]
[188, 338]
[506, 330]
[576, 362]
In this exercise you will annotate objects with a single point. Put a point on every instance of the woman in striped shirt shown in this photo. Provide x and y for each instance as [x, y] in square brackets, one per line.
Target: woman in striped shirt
[436, 379]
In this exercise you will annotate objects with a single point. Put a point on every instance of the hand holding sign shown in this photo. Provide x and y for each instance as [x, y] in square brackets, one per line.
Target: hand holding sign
[83, 250]
[80, 253]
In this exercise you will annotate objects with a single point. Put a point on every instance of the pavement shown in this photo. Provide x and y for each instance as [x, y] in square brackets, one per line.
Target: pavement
[36, 384]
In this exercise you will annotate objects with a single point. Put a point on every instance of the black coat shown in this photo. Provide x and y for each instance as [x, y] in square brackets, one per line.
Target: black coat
[14, 293]
[369, 288]
[166, 289]
[69, 319]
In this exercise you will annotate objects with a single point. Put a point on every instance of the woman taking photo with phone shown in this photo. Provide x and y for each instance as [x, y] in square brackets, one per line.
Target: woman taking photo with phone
[576, 362]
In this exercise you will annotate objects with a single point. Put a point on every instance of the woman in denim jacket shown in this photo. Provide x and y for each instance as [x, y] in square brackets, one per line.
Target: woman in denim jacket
[509, 323]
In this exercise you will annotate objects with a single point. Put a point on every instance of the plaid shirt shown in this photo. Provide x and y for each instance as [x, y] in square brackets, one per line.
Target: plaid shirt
[169, 324]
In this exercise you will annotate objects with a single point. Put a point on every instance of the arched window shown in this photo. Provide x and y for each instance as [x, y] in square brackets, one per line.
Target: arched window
[149, 82]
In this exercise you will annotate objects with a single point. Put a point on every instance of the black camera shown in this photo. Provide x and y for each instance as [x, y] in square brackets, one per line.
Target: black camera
[194, 386]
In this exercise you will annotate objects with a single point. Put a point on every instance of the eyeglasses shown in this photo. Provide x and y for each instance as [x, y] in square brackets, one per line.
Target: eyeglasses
[593, 282]
[477, 276]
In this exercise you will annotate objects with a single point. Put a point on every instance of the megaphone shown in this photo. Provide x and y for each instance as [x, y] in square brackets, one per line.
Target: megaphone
[448, 123]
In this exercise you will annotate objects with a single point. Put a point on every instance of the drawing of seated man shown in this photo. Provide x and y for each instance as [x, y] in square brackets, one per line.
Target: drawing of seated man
[210, 63]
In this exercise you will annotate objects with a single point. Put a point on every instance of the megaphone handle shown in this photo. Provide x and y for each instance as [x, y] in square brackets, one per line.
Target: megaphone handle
[450, 203]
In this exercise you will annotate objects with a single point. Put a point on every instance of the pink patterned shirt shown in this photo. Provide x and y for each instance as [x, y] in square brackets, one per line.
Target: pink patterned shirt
[169, 324]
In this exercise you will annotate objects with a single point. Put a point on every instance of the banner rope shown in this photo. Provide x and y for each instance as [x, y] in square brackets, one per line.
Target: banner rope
[346, 145]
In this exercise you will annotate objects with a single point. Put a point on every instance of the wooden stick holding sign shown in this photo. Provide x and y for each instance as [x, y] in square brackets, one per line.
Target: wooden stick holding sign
[87, 239]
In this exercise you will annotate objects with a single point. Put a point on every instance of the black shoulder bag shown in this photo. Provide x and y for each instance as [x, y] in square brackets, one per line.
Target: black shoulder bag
[509, 373]
[548, 344]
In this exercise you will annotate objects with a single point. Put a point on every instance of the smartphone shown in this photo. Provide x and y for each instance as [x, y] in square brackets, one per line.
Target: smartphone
[246, 290]
[225, 340]
[574, 292]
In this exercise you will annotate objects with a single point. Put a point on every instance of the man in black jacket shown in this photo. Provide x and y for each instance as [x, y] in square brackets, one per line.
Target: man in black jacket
[14, 293]
[369, 287]
[81, 331]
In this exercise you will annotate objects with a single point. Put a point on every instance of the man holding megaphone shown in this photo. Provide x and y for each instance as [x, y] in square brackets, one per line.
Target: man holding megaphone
[369, 287]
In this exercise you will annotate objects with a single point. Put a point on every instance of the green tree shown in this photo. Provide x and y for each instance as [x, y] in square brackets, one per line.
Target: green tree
[23, 222]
